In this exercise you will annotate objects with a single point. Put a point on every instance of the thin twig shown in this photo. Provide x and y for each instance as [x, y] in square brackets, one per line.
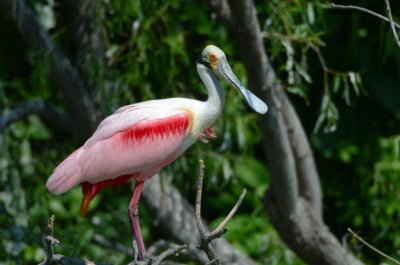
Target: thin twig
[50, 240]
[167, 253]
[322, 61]
[207, 237]
[53, 259]
[218, 231]
[204, 244]
[334, 6]
[198, 197]
[396, 37]
[372, 247]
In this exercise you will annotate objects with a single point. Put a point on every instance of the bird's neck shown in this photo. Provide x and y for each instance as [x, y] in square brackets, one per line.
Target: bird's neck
[216, 95]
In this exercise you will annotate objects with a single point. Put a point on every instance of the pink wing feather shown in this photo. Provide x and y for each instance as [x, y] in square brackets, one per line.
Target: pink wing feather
[135, 139]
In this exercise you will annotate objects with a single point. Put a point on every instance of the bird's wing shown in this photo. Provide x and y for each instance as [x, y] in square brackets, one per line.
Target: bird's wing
[137, 139]
[127, 116]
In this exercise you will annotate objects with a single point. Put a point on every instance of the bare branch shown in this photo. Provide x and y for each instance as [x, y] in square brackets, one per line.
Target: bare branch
[66, 78]
[56, 259]
[207, 237]
[298, 221]
[389, 12]
[175, 216]
[50, 241]
[362, 9]
[84, 19]
[223, 10]
[40, 107]
[262, 80]
[220, 230]
[198, 198]
[166, 254]
[372, 247]
[204, 244]
[309, 183]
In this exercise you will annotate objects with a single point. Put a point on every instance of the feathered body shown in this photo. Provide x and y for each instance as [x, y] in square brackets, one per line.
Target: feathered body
[138, 140]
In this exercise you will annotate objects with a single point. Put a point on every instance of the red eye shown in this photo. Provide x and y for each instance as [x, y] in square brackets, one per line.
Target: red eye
[212, 58]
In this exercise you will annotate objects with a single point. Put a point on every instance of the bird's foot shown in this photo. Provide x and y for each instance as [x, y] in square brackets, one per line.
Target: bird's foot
[138, 255]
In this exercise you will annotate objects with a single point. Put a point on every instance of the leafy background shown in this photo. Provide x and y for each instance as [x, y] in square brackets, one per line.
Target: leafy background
[350, 111]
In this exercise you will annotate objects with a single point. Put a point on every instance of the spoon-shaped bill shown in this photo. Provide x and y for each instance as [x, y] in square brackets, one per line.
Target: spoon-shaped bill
[252, 100]
[225, 72]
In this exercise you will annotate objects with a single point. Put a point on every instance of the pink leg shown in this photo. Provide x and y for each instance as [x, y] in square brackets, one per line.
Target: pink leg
[134, 218]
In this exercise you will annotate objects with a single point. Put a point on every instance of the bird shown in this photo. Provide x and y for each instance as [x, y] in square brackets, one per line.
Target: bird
[138, 140]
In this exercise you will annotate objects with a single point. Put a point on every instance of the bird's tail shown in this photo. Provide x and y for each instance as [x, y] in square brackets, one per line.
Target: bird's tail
[66, 175]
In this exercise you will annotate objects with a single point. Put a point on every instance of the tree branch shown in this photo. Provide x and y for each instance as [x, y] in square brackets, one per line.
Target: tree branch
[166, 254]
[294, 208]
[396, 37]
[372, 247]
[84, 19]
[57, 259]
[309, 184]
[207, 237]
[334, 6]
[261, 75]
[65, 76]
[176, 217]
[223, 10]
[40, 107]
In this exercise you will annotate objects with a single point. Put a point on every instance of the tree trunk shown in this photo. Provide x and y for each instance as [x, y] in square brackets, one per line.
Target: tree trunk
[294, 199]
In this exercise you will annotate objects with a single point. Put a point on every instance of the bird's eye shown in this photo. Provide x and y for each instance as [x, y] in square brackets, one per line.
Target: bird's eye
[212, 58]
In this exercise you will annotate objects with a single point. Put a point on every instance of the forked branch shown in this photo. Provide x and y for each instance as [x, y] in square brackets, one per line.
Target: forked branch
[207, 237]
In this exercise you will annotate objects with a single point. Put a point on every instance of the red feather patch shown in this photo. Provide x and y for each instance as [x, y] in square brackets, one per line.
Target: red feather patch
[151, 129]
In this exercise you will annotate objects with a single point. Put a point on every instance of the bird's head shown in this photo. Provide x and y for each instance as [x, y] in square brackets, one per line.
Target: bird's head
[214, 59]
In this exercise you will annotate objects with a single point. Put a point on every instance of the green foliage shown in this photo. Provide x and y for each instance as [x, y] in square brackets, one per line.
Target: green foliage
[292, 32]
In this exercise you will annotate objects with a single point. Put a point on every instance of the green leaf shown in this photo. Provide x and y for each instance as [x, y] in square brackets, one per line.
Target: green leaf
[310, 13]
[299, 91]
[253, 173]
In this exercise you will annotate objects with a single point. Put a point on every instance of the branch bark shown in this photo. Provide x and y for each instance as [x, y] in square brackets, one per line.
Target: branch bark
[293, 200]
[65, 77]
[40, 107]
[84, 19]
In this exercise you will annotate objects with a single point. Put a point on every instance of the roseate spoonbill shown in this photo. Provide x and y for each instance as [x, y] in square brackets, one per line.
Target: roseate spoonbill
[138, 140]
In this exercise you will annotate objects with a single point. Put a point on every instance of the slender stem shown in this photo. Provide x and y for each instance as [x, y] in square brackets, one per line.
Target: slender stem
[372, 247]
[198, 198]
[204, 242]
[396, 37]
[232, 212]
[334, 6]
[167, 253]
